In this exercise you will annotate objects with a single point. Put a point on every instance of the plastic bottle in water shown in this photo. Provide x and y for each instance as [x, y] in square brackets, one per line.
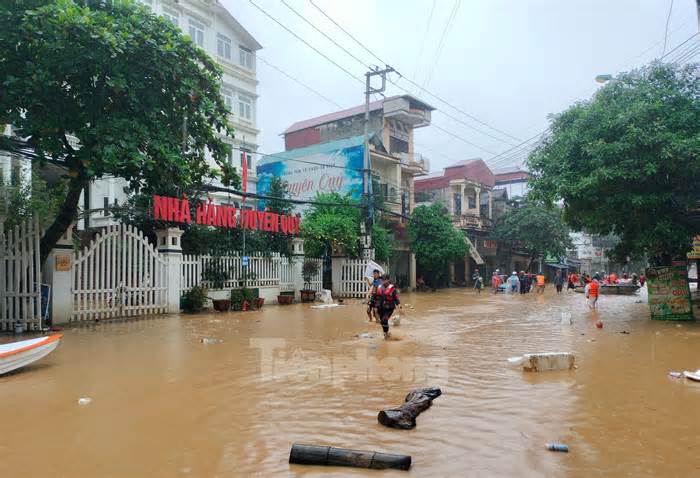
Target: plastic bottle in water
[557, 447]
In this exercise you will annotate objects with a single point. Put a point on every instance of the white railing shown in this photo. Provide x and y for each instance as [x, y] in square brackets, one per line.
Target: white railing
[352, 282]
[20, 277]
[288, 273]
[317, 280]
[227, 272]
[120, 274]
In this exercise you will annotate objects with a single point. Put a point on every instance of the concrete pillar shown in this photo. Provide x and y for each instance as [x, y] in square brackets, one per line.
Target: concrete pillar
[477, 192]
[412, 271]
[490, 204]
[170, 250]
[57, 273]
[452, 272]
[297, 262]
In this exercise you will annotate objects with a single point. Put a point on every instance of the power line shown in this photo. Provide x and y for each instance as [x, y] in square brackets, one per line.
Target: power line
[306, 43]
[442, 100]
[283, 158]
[456, 136]
[298, 82]
[425, 39]
[325, 35]
[441, 43]
[668, 19]
[680, 45]
[347, 32]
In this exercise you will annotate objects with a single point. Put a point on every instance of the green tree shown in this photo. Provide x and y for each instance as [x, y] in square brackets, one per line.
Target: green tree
[435, 241]
[30, 197]
[334, 222]
[537, 230]
[142, 100]
[278, 202]
[627, 161]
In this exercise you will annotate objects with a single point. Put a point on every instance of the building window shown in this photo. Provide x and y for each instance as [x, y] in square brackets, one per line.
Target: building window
[397, 145]
[105, 206]
[245, 57]
[223, 46]
[228, 98]
[245, 107]
[457, 204]
[197, 32]
[472, 201]
[171, 15]
[229, 157]
[249, 159]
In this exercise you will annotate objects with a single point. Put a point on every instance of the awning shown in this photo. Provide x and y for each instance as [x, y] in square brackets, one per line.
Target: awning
[558, 266]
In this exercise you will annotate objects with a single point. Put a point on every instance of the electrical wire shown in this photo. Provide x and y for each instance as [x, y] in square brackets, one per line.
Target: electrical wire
[323, 97]
[306, 43]
[440, 99]
[308, 22]
[441, 44]
[425, 39]
[668, 19]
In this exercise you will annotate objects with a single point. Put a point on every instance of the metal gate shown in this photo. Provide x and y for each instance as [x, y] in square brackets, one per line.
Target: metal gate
[20, 277]
[120, 274]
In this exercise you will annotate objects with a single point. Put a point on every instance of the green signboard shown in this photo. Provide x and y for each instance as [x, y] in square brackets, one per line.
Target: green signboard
[669, 293]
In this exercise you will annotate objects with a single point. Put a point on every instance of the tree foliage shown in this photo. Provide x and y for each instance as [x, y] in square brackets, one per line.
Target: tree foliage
[142, 100]
[29, 197]
[627, 161]
[278, 202]
[435, 241]
[537, 230]
[334, 223]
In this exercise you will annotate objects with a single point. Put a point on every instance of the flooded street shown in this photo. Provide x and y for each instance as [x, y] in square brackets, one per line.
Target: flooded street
[165, 404]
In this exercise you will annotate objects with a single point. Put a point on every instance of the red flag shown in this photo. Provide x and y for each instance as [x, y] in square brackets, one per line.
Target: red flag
[244, 165]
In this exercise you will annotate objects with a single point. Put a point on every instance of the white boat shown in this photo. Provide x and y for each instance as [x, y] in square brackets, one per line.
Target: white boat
[19, 354]
[695, 376]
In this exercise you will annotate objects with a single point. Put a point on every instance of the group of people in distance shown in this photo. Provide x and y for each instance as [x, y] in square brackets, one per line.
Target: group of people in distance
[519, 282]
[383, 300]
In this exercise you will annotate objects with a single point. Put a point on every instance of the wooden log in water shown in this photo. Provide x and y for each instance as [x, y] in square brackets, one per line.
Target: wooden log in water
[331, 456]
[404, 417]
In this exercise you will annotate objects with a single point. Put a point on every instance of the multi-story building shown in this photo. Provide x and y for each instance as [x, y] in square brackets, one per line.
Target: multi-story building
[325, 154]
[210, 25]
[513, 180]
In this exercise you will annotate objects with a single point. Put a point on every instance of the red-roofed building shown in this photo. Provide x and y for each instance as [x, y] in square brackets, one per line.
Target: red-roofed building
[514, 180]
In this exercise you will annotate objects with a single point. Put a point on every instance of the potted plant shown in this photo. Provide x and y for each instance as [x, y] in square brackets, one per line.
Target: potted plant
[308, 270]
[257, 301]
[237, 299]
[193, 300]
[248, 296]
[285, 298]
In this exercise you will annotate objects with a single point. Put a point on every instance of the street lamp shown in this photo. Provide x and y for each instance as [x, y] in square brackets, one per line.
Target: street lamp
[603, 78]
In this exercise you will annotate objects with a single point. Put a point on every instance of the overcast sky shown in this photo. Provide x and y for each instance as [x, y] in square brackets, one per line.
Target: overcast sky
[508, 63]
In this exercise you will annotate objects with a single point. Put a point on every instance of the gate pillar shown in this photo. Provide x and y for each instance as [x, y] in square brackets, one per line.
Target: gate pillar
[57, 272]
[170, 250]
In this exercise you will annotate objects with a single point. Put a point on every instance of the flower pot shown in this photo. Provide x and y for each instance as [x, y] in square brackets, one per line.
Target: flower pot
[285, 299]
[221, 305]
[308, 295]
[258, 303]
[244, 305]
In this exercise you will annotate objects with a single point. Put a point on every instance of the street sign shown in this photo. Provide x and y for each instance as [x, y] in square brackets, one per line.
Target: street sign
[244, 261]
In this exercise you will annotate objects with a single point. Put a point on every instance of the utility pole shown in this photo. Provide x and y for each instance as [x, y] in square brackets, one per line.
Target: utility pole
[368, 213]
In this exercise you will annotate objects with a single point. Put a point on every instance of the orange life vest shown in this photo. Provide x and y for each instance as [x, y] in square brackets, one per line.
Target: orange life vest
[593, 289]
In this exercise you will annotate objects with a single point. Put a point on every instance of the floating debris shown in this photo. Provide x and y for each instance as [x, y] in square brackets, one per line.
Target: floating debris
[557, 447]
[84, 401]
[209, 340]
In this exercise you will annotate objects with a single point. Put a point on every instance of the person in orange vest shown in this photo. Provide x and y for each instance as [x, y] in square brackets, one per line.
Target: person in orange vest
[573, 279]
[540, 282]
[388, 300]
[613, 278]
[592, 293]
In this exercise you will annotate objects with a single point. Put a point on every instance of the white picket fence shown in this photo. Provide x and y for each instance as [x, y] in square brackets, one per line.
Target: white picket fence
[227, 272]
[120, 274]
[20, 277]
[352, 282]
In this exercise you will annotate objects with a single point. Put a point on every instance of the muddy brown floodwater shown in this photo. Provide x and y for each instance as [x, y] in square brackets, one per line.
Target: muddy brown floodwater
[165, 404]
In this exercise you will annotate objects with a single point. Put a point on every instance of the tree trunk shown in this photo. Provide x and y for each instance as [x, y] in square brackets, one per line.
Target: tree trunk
[404, 417]
[66, 215]
[331, 456]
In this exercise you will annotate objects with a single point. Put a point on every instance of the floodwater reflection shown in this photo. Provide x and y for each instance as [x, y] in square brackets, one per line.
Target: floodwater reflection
[165, 403]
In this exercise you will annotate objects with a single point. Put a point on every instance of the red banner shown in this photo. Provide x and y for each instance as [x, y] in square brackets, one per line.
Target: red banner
[208, 214]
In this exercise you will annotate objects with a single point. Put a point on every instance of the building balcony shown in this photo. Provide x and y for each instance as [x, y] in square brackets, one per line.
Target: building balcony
[402, 108]
[414, 162]
[471, 221]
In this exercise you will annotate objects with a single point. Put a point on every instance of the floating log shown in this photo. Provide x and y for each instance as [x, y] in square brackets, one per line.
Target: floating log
[331, 456]
[415, 402]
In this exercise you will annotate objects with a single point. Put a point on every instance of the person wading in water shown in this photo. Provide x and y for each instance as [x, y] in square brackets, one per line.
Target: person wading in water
[372, 302]
[388, 300]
